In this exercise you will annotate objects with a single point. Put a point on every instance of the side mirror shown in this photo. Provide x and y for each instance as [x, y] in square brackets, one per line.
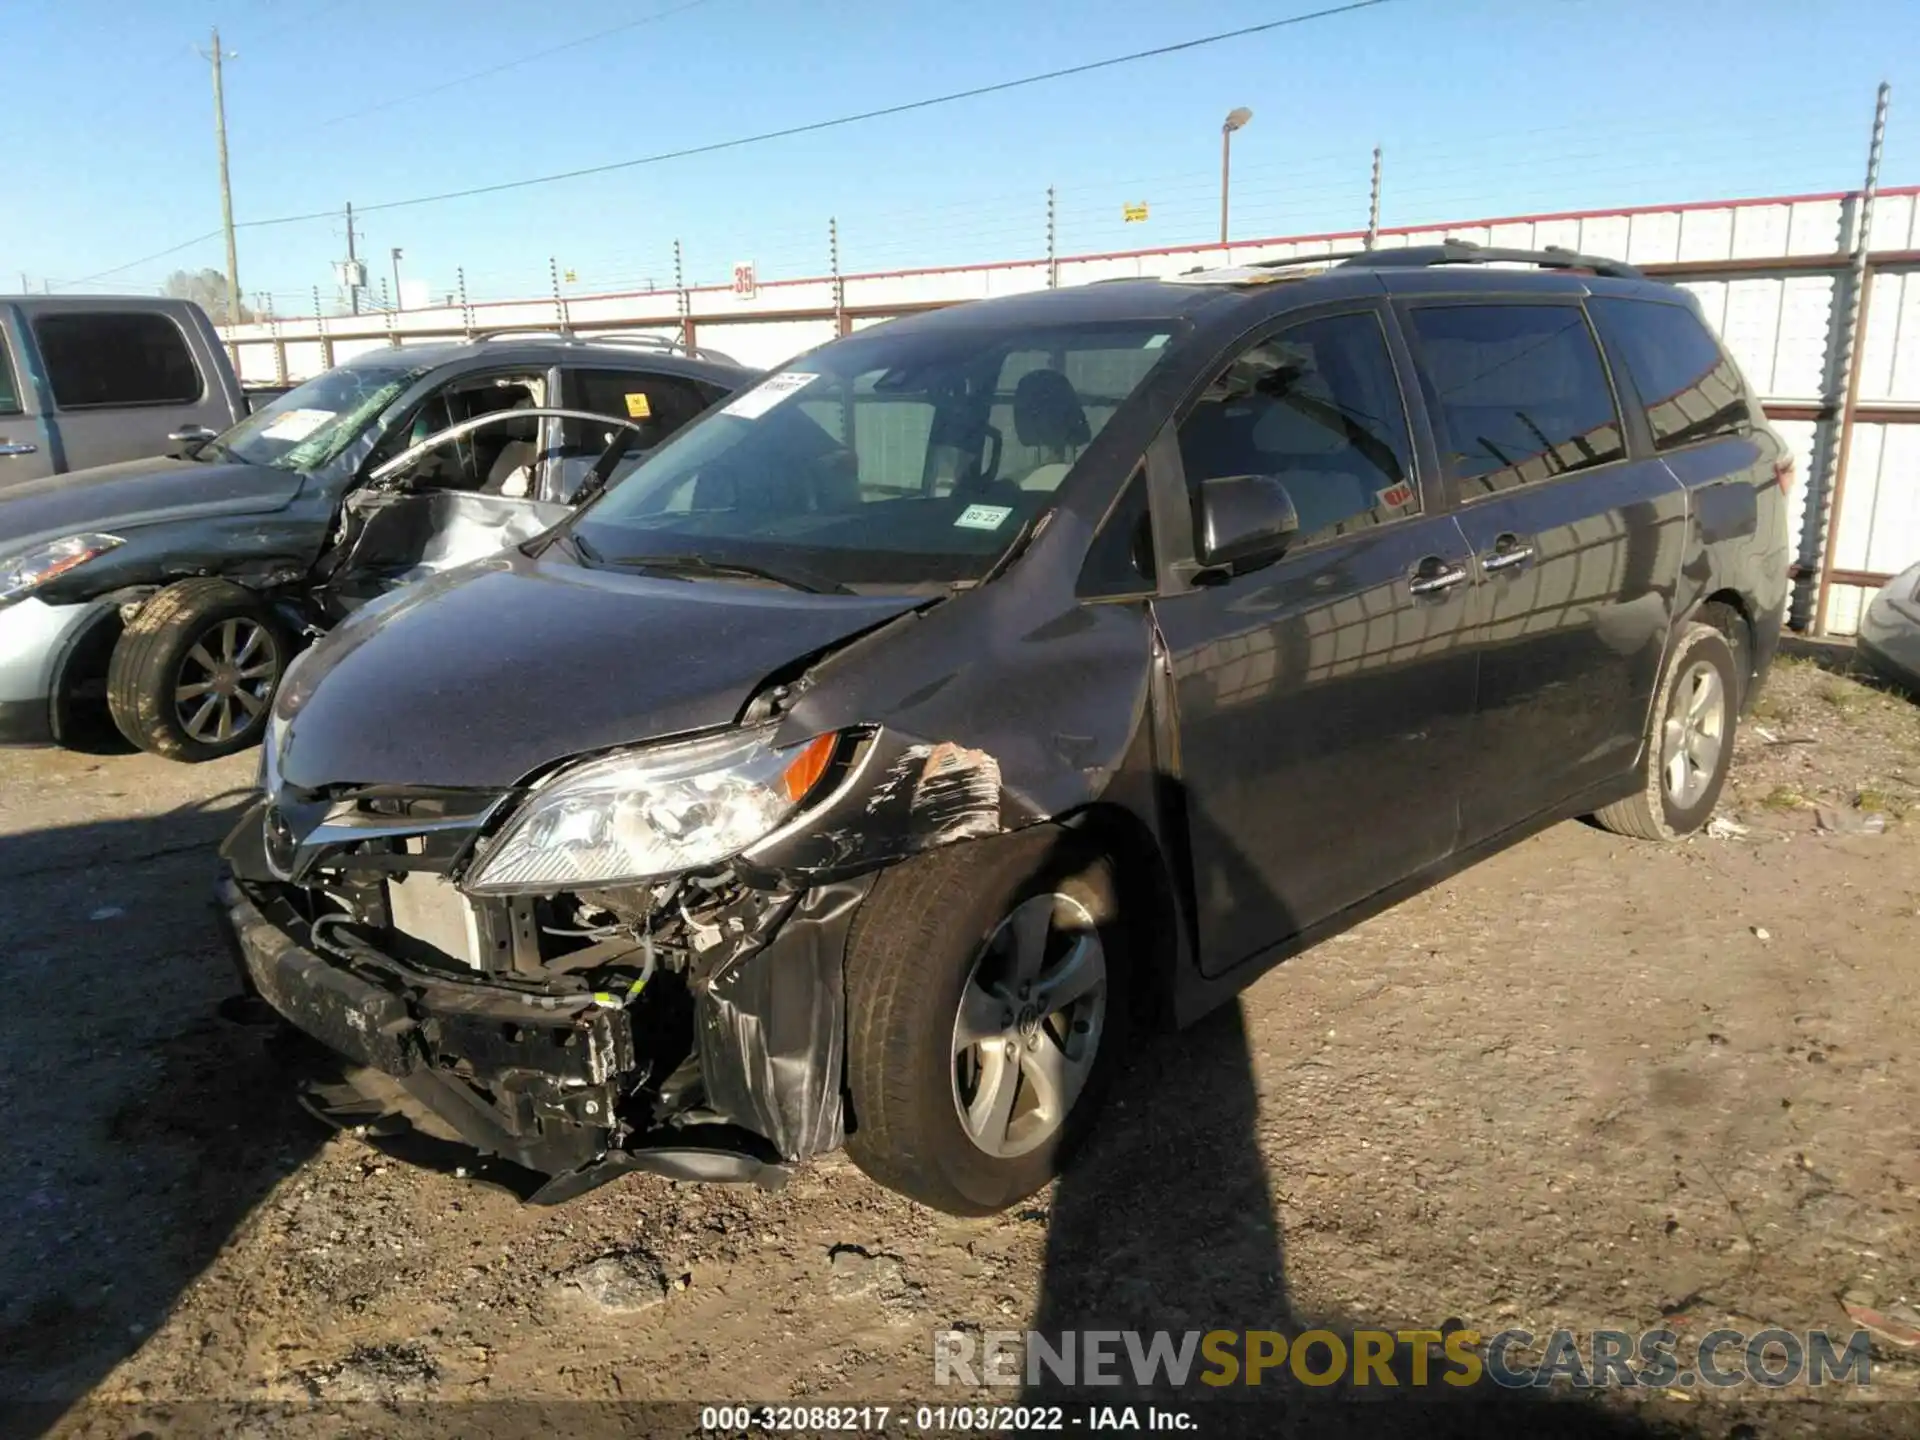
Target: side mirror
[1243, 520]
[192, 438]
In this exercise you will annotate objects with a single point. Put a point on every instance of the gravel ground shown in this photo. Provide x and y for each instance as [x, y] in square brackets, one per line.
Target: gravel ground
[1590, 1083]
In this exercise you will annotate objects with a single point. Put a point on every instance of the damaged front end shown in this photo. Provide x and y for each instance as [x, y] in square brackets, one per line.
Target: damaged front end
[691, 1025]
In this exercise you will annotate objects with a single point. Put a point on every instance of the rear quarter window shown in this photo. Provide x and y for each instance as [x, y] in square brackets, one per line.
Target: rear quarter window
[1688, 386]
[105, 358]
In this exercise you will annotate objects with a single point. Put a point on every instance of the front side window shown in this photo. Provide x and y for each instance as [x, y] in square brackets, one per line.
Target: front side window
[98, 358]
[887, 459]
[1688, 386]
[1519, 393]
[312, 423]
[1317, 407]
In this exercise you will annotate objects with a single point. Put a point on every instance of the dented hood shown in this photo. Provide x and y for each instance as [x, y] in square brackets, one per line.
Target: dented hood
[481, 676]
[118, 498]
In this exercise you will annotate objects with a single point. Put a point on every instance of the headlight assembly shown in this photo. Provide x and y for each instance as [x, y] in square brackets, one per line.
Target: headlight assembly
[21, 575]
[648, 813]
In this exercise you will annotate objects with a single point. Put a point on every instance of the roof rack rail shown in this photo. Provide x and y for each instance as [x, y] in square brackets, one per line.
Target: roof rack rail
[1333, 257]
[522, 332]
[664, 344]
[1466, 252]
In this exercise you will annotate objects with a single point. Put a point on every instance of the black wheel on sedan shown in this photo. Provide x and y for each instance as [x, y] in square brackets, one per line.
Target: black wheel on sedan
[1689, 744]
[193, 676]
[987, 1007]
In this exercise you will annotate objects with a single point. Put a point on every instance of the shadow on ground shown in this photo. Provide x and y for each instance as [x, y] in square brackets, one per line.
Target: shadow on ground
[143, 1130]
[1167, 1223]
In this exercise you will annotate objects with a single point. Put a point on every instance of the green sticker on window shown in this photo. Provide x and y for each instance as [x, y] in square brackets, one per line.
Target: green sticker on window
[983, 517]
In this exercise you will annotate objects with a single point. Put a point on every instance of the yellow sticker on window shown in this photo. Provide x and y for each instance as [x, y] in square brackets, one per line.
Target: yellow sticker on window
[638, 408]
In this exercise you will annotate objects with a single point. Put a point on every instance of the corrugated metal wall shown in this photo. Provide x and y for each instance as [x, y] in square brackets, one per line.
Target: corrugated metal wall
[1766, 271]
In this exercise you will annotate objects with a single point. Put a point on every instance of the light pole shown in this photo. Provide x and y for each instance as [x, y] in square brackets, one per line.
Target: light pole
[1236, 118]
[397, 302]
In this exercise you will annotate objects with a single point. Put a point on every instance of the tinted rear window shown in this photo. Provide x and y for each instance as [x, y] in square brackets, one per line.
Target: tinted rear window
[1519, 392]
[1688, 386]
[99, 358]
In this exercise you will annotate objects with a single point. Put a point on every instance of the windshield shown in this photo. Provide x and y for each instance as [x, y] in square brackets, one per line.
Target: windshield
[311, 424]
[883, 459]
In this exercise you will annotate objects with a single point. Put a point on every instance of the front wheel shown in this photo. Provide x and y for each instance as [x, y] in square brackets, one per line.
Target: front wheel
[987, 1004]
[193, 675]
[1689, 746]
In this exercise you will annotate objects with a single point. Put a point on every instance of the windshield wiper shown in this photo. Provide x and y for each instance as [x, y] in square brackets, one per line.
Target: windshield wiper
[699, 565]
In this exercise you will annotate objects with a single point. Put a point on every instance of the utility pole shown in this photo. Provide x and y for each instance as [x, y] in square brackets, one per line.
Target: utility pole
[353, 265]
[226, 185]
[396, 278]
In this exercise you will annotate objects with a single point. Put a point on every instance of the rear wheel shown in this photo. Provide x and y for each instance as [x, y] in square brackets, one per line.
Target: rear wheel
[1689, 747]
[986, 991]
[192, 678]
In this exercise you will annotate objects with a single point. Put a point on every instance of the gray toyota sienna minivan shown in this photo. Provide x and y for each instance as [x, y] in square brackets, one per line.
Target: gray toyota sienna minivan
[868, 763]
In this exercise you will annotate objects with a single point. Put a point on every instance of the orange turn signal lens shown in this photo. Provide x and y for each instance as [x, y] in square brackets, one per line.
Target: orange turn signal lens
[803, 772]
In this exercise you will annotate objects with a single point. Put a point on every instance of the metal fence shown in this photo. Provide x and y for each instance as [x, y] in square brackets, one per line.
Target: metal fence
[1821, 310]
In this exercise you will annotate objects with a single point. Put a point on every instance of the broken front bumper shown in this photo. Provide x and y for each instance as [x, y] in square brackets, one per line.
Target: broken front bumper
[551, 1083]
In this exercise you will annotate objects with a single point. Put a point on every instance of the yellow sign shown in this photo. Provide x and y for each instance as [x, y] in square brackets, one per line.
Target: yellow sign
[570, 277]
[638, 408]
[1133, 213]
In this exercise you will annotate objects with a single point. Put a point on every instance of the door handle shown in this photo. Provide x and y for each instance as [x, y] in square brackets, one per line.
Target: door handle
[1435, 577]
[188, 433]
[14, 447]
[1508, 551]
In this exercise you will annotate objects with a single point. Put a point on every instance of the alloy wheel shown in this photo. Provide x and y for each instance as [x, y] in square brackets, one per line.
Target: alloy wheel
[226, 680]
[1694, 733]
[1029, 1025]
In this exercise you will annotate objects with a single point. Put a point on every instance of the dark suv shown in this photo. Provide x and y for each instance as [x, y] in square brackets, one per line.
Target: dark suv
[176, 589]
[879, 750]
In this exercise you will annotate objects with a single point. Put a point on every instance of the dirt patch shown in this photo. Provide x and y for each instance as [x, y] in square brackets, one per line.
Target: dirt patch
[1590, 1083]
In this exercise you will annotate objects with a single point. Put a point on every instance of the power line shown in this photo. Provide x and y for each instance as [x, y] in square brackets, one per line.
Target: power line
[513, 64]
[157, 255]
[812, 127]
[905, 108]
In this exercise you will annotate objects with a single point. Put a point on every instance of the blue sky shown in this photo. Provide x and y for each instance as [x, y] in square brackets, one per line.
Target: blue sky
[1483, 107]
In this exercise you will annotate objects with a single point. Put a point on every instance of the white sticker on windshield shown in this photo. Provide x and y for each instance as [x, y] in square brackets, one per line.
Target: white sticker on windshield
[984, 517]
[767, 394]
[296, 424]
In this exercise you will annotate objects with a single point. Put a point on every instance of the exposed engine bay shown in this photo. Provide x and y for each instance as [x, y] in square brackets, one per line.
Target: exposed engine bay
[691, 1027]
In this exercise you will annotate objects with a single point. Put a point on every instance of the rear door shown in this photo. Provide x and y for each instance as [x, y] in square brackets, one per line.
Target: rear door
[27, 451]
[1576, 548]
[122, 382]
[1324, 701]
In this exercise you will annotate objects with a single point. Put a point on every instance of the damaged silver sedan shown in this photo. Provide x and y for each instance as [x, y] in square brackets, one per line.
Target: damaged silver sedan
[887, 744]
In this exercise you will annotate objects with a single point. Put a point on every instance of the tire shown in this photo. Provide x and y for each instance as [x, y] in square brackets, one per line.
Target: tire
[181, 639]
[1687, 708]
[939, 928]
